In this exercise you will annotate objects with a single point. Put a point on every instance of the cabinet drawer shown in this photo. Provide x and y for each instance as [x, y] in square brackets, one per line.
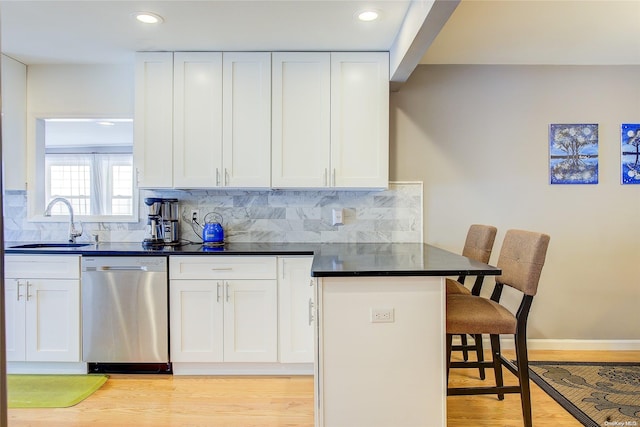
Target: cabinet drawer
[42, 266]
[222, 267]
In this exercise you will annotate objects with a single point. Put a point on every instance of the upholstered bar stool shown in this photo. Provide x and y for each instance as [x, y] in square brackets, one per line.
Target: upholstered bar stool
[477, 246]
[521, 259]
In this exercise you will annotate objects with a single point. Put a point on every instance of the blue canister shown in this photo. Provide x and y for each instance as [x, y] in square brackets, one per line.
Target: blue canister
[213, 233]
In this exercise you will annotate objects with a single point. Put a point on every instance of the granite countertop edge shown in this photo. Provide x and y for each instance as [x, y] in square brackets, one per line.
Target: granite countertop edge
[329, 259]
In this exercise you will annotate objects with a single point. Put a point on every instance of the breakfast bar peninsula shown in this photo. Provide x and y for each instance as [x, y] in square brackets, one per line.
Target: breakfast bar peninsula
[380, 330]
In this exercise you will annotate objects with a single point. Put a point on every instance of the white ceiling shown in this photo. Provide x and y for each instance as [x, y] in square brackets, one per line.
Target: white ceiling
[478, 31]
[104, 31]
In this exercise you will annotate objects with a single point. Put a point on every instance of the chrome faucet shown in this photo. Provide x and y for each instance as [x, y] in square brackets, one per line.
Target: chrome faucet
[73, 233]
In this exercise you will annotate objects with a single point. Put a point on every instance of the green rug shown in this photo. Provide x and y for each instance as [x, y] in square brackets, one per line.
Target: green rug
[596, 394]
[50, 391]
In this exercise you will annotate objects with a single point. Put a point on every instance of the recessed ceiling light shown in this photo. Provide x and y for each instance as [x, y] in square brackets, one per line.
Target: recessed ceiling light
[368, 15]
[148, 17]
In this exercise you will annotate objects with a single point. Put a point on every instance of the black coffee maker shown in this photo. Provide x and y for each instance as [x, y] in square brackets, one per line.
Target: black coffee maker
[162, 222]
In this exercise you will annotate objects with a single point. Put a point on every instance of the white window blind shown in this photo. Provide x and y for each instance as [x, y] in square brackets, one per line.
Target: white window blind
[97, 183]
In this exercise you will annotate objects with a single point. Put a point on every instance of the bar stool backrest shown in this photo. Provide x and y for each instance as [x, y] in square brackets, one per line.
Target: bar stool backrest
[521, 260]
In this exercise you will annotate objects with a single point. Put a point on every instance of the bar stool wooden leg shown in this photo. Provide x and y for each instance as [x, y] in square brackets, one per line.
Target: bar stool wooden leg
[479, 353]
[449, 342]
[497, 364]
[465, 352]
[523, 375]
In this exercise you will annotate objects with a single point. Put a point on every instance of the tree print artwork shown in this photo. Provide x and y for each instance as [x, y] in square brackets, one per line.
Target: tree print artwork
[630, 153]
[573, 153]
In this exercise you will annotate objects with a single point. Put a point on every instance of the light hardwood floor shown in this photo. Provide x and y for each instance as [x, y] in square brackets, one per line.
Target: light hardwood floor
[166, 401]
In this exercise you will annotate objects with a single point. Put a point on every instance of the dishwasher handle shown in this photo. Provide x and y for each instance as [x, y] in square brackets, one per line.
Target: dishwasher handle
[122, 268]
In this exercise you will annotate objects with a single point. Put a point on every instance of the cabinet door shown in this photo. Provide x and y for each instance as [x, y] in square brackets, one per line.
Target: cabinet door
[52, 320]
[153, 119]
[295, 305]
[360, 119]
[14, 300]
[196, 320]
[14, 123]
[197, 119]
[250, 321]
[246, 119]
[301, 119]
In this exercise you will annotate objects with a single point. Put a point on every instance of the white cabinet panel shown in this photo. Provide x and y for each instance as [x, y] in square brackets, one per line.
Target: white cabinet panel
[197, 119]
[43, 313]
[53, 321]
[14, 297]
[153, 119]
[301, 119]
[251, 322]
[196, 321]
[295, 310]
[360, 119]
[14, 123]
[223, 309]
[246, 118]
[222, 267]
[330, 120]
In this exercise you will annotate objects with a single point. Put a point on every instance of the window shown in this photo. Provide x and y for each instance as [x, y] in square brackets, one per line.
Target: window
[90, 163]
[95, 184]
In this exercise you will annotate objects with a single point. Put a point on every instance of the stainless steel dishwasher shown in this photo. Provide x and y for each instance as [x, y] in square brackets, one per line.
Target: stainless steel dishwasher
[125, 323]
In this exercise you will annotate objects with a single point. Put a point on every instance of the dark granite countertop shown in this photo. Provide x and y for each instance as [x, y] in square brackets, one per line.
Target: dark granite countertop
[330, 259]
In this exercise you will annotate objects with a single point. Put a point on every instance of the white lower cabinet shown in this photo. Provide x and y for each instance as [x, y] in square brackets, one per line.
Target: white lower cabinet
[241, 315]
[295, 310]
[223, 321]
[42, 308]
[223, 313]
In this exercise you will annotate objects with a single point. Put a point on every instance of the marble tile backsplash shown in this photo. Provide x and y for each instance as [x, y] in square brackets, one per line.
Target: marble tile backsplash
[393, 215]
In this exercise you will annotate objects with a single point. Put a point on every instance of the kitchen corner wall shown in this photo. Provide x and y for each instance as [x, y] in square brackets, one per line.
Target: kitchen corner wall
[393, 215]
[477, 136]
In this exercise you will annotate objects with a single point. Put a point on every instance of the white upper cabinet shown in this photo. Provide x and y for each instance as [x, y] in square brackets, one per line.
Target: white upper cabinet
[197, 119]
[330, 120]
[216, 129]
[14, 123]
[246, 127]
[153, 123]
[262, 120]
[360, 119]
[301, 108]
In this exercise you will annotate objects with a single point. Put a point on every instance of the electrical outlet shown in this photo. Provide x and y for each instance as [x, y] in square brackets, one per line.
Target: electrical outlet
[382, 315]
[194, 215]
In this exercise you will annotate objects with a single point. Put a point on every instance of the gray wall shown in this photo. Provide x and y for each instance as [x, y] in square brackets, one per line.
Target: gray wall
[478, 138]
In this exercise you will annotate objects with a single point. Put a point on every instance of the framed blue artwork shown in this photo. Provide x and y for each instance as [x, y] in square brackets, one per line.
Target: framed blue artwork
[573, 153]
[630, 153]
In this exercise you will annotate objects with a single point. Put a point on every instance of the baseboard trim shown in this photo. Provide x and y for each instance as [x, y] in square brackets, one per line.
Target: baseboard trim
[568, 344]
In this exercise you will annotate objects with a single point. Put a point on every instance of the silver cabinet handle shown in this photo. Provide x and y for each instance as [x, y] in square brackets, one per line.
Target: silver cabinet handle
[226, 177]
[310, 311]
[18, 294]
[311, 282]
[333, 178]
[222, 269]
[325, 177]
[227, 291]
[29, 291]
[217, 291]
[217, 178]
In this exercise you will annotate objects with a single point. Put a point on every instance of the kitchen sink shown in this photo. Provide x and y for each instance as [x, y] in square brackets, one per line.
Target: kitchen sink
[49, 245]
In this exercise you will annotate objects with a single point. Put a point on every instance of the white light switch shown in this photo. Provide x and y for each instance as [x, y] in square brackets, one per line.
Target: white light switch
[337, 217]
